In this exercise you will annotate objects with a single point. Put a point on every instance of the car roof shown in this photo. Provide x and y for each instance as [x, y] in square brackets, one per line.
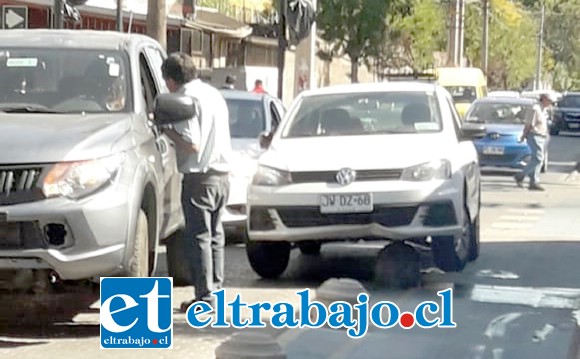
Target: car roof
[506, 100]
[395, 86]
[78, 39]
[242, 95]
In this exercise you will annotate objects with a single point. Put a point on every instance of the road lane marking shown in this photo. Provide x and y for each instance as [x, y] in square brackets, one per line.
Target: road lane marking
[498, 326]
[490, 236]
[511, 225]
[519, 218]
[497, 353]
[555, 298]
[526, 211]
[541, 335]
[478, 351]
[488, 273]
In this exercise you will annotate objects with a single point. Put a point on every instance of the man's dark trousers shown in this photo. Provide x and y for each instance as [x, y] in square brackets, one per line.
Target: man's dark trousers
[203, 198]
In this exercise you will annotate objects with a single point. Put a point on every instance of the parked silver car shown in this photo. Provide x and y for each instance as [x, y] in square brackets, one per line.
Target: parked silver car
[88, 185]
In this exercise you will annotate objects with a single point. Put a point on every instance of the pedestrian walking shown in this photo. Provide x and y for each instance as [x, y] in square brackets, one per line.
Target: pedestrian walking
[259, 87]
[230, 83]
[536, 134]
[203, 147]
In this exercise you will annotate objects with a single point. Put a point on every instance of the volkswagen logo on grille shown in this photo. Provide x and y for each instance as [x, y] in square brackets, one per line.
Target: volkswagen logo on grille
[345, 176]
[495, 136]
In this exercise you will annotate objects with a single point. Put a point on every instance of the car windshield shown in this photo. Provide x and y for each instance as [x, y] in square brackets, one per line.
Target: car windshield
[355, 114]
[500, 113]
[462, 94]
[63, 81]
[570, 101]
[247, 118]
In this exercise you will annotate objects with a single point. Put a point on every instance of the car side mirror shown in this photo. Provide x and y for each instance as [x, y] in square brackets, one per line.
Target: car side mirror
[171, 108]
[265, 139]
[473, 131]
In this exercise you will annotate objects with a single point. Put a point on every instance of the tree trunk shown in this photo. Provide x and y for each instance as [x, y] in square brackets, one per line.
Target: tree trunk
[157, 21]
[354, 69]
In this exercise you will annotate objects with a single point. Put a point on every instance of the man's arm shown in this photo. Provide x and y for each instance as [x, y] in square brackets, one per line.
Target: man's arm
[183, 145]
[530, 123]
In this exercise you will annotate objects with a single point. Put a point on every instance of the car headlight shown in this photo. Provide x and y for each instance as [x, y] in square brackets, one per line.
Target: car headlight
[434, 170]
[78, 179]
[268, 176]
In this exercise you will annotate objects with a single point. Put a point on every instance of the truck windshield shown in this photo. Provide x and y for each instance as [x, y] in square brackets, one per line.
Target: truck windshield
[64, 80]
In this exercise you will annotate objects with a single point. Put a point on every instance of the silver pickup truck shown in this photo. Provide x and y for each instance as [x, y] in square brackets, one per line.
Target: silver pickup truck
[88, 185]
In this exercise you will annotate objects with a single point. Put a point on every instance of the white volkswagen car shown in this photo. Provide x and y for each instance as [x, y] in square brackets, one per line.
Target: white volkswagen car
[367, 161]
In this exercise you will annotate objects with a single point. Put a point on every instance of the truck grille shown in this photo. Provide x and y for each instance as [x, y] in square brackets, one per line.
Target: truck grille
[19, 184]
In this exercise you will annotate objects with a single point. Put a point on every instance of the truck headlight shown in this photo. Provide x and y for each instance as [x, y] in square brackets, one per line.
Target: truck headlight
[268, 176]
[434, 170]
[78, 179]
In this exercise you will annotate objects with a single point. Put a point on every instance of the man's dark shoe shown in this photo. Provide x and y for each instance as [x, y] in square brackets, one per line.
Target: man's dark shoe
[519, 181]
[185, 305]
[536, 187]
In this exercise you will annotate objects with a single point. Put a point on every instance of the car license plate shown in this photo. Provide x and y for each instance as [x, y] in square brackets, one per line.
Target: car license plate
[346, 203]
[493, 150]
[574, 125]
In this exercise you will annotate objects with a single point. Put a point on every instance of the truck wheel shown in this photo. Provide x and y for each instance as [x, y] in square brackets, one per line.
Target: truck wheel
[177, 261]
[451, 253]
[268, 259]
[139, 261]
[310, 248]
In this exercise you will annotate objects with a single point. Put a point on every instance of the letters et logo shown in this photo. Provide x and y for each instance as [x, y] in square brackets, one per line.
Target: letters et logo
[136, 313]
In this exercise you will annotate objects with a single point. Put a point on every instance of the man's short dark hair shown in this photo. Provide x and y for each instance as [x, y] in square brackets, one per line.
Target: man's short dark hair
[180, 68]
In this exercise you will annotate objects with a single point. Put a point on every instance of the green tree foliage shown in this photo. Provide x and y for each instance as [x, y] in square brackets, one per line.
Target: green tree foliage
[512, 43]
[357, 28]
[413, 39]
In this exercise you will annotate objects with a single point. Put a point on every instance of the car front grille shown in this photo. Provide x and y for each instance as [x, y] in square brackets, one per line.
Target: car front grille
[330, 176]
[309, 216]
[19, 184]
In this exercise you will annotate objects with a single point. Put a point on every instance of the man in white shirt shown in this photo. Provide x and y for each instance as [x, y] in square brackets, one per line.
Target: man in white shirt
[536, 133]
[203, 147]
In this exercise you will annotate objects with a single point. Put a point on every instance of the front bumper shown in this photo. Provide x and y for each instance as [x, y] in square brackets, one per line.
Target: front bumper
[515, 156]
[402, 210]
[76, 239]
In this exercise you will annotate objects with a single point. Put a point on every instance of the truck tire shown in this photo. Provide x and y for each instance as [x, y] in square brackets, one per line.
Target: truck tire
[139, 261]
[268, 259]
[176, 260]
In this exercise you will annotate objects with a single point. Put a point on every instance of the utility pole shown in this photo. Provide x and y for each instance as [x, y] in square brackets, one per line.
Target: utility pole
[157, 21]
[58, 11]
[485, 40]
[120, 26]
[461, 33]
[538, 83]
[282, 43]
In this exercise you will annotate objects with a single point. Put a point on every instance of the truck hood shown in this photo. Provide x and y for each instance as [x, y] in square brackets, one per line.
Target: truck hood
[50, 138]
[356, 152]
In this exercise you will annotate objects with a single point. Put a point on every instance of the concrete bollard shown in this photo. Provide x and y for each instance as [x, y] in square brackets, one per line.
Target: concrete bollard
[340, 289]
[250, 346]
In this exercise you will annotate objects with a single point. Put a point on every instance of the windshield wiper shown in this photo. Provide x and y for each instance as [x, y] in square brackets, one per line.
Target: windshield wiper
[26, 109]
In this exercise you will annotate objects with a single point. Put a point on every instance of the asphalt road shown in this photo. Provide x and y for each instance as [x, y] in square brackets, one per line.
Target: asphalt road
[516, 301]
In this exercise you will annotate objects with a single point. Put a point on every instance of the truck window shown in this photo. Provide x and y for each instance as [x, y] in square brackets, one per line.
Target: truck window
[148, 83]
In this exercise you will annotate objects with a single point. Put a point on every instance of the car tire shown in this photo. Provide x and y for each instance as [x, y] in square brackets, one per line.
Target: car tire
[398, 266]
[474, 241]
[177, 263]
[139, 261]
[268, 259]
[310, 248]
[451, 253]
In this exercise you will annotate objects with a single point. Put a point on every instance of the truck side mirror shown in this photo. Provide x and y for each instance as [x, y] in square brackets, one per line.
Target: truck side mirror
[173, 107]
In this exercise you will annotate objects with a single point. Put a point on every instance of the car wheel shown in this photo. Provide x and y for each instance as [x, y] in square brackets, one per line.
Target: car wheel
[310, 248]
[139, 261]
[399, 266]
[474, 241]
[176, 260]
[451, 253]
[268, 259]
